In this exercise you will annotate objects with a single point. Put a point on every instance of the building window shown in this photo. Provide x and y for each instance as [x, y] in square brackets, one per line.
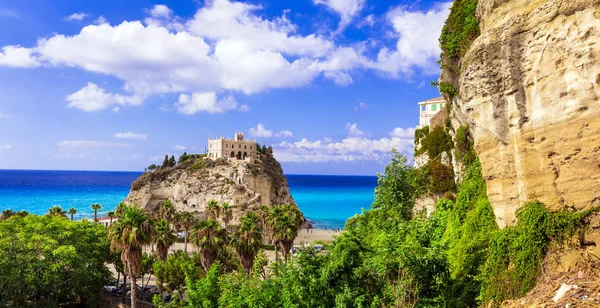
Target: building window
[433, 108]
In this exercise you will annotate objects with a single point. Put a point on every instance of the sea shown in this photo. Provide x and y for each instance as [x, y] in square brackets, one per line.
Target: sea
[327, 201]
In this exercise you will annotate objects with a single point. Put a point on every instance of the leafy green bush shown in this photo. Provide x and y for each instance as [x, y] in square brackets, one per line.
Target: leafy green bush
[440, 177]
[460, 30]
[435, 143]
[463, 144]
[516, 252]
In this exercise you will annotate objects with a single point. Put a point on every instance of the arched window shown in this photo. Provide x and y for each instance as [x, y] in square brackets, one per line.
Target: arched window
[244, 147]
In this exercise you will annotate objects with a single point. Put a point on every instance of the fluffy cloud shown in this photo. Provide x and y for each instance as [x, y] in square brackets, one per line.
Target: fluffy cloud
[93, 98]
[130, 135]
[347, 9]
[179, 147]
[17, 56]
[353, 130]
[77, 16]
[417, 44]
[260, 131]
[90, 144]
[403, 132]
[361, 106]
[225, 47]
[205, 102]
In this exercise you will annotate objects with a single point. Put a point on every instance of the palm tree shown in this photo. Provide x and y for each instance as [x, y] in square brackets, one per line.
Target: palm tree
[164, 238]
[6, 214]
[247, 240]
[119, 208]
[186, 221]
[167, 211]
[111, 215]
[213, 209]
[285, 222]
[129, 234]
[263, 212]
[56, 211]
[209, 237]
[96, 207]
[226, 214]
[72, 211]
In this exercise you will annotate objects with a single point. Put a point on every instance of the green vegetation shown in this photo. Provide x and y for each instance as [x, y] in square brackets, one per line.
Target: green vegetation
[460, 30]
[435, 143]
[49, 260]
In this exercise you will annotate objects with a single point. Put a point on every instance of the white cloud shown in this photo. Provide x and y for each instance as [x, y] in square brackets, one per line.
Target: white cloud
[226, 47]
[17, 56]
[100, 20]
[350, 149]
[244, 108]
[260, 131]
[76, 16]
[179, 147]
[368, 21]
[5, 146]
[347, 9]
[205, 102]
[417, 44]
[285, 134]
[353, 130]
[90, 144]
[361, 106]
[93, 98]
[403, 132]
[116, 109]
[130, 135]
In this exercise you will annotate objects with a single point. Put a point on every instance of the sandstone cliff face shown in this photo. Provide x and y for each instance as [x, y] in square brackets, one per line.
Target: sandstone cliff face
[242, 184]
[529, 88]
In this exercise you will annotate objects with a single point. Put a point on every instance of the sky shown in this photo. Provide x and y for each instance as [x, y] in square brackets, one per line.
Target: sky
[331, 85]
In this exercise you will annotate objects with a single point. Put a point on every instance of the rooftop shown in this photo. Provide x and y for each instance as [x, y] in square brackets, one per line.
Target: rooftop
[434, 101]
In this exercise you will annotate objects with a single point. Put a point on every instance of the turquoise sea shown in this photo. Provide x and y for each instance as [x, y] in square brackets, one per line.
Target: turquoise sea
[326, 200]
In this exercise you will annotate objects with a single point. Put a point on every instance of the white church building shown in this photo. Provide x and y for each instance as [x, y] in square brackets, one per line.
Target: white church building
[236, 148]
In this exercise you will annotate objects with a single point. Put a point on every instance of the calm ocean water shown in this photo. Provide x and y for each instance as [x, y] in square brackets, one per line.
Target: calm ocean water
[326, 200]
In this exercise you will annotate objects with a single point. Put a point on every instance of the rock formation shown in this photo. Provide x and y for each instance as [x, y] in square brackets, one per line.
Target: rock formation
[529, 88]
[190, 186]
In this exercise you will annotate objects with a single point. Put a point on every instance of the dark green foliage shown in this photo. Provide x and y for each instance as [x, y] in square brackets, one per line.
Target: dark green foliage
[165, 163]
[440, 177]
[446, 88]
[183, 158]
[516, 252]
[463, 143]
[460, 30]
[420, 133]
[153, 167]
[171, 273]
[396, 192]
[49, 260]
[435, 143]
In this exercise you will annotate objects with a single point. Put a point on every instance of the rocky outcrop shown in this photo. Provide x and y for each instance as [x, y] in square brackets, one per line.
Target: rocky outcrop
[529, 88]
[244, 185]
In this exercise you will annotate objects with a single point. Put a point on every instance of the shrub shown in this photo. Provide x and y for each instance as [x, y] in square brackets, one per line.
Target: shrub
[436, 142]
[440, 177]
[463, 143]
[460, 30]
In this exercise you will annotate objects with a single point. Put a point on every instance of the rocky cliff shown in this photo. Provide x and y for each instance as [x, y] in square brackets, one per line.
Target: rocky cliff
[529, 89]
[244, 185]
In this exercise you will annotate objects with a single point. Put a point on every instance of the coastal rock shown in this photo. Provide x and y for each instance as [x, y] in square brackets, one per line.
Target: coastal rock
[244, 185]
[529, 88]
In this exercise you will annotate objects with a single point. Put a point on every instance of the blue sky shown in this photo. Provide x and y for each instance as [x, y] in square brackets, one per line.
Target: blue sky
[332, 85]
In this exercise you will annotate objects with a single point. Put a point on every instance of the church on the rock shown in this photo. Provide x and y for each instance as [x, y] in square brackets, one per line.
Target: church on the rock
[236, 148]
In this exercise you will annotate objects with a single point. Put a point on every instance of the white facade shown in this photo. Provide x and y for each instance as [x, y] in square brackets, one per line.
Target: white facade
[428, 109]
[236, 148]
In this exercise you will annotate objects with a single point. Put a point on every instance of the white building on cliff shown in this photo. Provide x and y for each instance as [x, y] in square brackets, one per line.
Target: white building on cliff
[236, 148]
[428, 109]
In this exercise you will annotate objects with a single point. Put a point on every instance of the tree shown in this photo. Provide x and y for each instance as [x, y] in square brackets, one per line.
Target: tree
[111, 215]
[96, 207]
[396, 190]
[46, 261]
[72, 211]
[57, 211]
[226, 213]
[165, 163]
[6, 214]
[171, 273]
[184, 157]
[247, 240]
[167, 211]
[285, 222]
[153, 167]
[172, 162]
[129, 234]
[186, 221]
[164, 238]
[209, 237]
[213, 209]
[147, 267]
[263, 213]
